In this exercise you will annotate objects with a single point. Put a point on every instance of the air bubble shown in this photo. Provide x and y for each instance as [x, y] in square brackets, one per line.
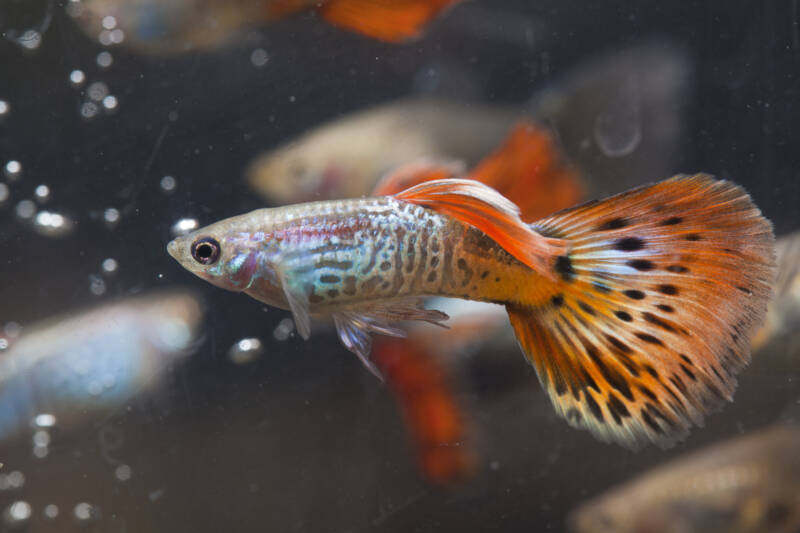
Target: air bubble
[89, 110]
[109, 22]
[77, 77]
[40, 452]
[41, 437]
[284, 329]
[246, 351]
[111, 217]
[13, 170]
[618, 130]
[104, 38]
[97, 91]
[104, 59]
[12, 329]
[17, 513]
[94, 388]
[259, 57]
[52, 224]
[110, 102]
[168, 184]
[83, 512]
[97, 285]
[26, 209]
[109, 265]
[13, 480]
[30, 40]
[117, 36]
[184, 226]
[123, 472]
[4, 344]
[4, 193]
[42, 193]
[44, 420]
[4, 108]
[51, 511]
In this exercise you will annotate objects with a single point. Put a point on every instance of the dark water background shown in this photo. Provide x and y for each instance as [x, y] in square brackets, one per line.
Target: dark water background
[305, 439]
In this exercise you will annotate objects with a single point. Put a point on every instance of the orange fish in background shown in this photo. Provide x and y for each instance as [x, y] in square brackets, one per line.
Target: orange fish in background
[529, 170]
[175, 26]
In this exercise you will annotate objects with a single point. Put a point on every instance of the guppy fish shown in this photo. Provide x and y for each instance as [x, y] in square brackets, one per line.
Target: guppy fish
[636, 311]
[749, 484]
[92, 362]
[174, 26]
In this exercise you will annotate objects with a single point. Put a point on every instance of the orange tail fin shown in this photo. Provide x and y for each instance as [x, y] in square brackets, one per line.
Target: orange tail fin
[479, 206]
[416, 172]
[392, 21]
[434, 417]
[528, 170]
[652, 316]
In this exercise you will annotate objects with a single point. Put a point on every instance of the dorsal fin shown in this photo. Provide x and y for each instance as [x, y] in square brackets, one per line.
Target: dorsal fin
[482, 207]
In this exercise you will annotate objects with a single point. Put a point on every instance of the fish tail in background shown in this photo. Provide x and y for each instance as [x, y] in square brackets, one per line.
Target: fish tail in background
[416, 172]
[528, 170]
[422, 390]
[393, 21]
[652, 315]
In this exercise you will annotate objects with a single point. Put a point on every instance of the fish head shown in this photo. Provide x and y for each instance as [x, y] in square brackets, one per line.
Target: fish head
[227, 254]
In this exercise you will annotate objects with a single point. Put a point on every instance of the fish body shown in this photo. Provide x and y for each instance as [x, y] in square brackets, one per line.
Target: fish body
[636, 311]
[175, 26]
[749, 484]
[93, 362]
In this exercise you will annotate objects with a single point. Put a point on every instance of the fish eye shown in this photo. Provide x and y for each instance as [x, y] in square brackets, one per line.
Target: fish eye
[205, 250]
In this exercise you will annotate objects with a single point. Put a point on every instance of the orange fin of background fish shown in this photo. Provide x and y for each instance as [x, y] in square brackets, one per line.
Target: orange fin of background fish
[529, 170]
[279, 8]
[482, 207]
[652, 316]
[417, 172]
[393, 21]
[423, 392]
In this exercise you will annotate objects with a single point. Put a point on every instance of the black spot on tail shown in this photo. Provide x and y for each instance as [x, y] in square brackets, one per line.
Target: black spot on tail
[612, 224]
[666, 308]
[564, 268]
[629, 244]
[646, 337]
[672, 221]
[594, 408]
[668, 289]
[622, 315]
[634, 294]
[642, 265]
[693, 237]
[677, 269]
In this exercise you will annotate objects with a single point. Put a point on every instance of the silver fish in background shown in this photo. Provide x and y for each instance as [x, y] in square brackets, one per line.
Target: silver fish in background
[89, 363]
[619, 114]
[783, 316]
[746, 485]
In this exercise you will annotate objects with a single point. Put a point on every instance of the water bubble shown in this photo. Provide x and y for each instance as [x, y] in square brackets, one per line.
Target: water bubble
[18, 513]
[283, 329]
[109, 22]
[44, 420]
[117, 36]
[84, 512]
[41, 437]
[123, 472]
[104, 38]
[13, 170]
[618, 129]
[259, 57]
[52, 224]
[97, 91]
[40, 452]
[42, 193]
[4, 344]
[97, 285]
[89, 110]
[4, 108]
[30, 40]
[109, 265]
[156, 494]
[26, 209]
[4, 193]
[111, 216]
[246, 351]
[168, 184]
[51, 511]
[94, 388]
[184, 226]
[12, 480]
[77, 77]
[104, 59]
[110, 102]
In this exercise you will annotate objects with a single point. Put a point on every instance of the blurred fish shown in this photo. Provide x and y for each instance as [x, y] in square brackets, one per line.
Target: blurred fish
[749, 484]
[636, 95]
[346, 157]
[636, 311]
[174, 26]
[783, 316]
[85, 364]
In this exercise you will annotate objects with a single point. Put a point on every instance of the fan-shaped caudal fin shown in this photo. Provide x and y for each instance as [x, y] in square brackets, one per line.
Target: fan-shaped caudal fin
[652, 316]
[484, 208]
[392, 21]
[529, 170]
